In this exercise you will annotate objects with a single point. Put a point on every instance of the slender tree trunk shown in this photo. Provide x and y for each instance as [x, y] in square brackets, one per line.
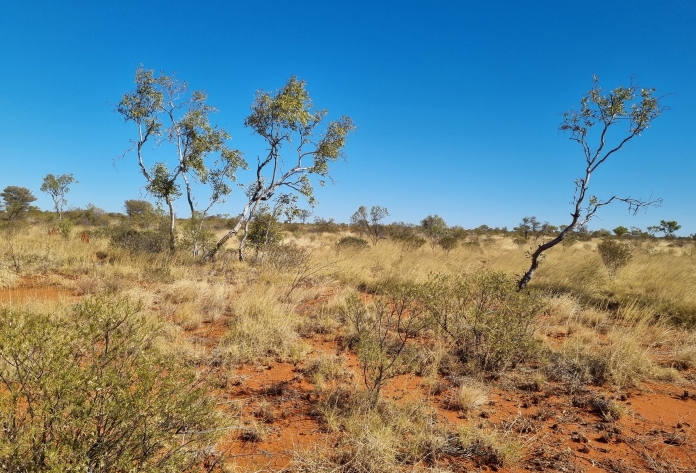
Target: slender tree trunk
[172, 218]
[546, 246]
[210, 255]
[242, 243]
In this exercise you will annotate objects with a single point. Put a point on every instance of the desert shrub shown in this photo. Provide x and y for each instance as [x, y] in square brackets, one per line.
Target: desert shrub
[490, 323]
[90, 392]
[294, 228]
[406, 235]
[569, 240]
[286, 257]
[138, 241]
[467, 397]
[380, 331]
[351, 242]
[614, 255]
[197, 236]
[65, 227]
[622, 361]
[324, 225]
[448, 243]
[264, 230]
[327, 368]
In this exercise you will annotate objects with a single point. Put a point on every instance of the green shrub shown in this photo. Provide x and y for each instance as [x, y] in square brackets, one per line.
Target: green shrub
[286, 257]
[65, 226]
[264, 230]
[90, 392]
[139, 241]
[406, 235]
[615, 255]
[381, 332]
[489, 322]
[448, 243]
[352, 243]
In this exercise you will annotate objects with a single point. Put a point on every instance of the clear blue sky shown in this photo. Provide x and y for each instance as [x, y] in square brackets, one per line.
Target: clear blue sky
[457, 103]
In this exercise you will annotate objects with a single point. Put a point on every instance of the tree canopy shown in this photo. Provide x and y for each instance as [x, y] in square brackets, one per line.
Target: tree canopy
[600, 114]
[299, 147]
[57, 187]
[164, 112]
[17, 200]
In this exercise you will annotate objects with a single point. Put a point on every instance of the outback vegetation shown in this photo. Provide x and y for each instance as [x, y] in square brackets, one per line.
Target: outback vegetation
[326, 347]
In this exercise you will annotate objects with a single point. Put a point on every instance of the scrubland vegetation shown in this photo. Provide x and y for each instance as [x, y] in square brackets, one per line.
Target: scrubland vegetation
[404, 353]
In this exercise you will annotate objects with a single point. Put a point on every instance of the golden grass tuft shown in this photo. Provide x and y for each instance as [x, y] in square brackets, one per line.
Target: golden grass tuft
[468, 396]
[261, 330]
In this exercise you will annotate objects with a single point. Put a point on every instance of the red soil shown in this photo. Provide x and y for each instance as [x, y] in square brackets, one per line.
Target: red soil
[561, 431]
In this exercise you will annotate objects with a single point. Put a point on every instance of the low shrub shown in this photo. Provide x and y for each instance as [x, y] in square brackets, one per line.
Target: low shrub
[90, 392]
[490, 324]
[351, 242]
[138, 241]
[614, 255]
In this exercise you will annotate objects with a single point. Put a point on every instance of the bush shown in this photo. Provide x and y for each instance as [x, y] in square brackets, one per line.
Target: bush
[615, 256]
[489, 322]
[264, 230]
[286, 257]
[139, 241]
[351, 242]
[406, 235]
[65, 226]
[448, 243]
[381, 332]
[91, 392]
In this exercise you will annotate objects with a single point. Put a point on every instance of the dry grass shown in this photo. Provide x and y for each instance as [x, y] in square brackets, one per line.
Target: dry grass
[468, 396]
[490, 447]
[598, 331]
[623, 356]
[262, 330]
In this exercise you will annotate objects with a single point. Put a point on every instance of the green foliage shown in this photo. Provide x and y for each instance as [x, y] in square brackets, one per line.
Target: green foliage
[666, 227]
[138, 241]
[381, 330]
[633, 106]
[371, 226]
[264, 230]
[620, 231]
[435, 229]
[614, 255]
[90, 392]
[489, 322]
[196, 234]
[528, 226]
[200, 151]
[303, 215]
[448, 243]
[406, 235]
[57, 187]
[351, 242]
[298, 148]
[65, 227]
[91, 215]
[17, 201]
[138, 208]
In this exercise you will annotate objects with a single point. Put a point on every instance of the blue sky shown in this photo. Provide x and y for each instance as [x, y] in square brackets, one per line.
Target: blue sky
[457, 103]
